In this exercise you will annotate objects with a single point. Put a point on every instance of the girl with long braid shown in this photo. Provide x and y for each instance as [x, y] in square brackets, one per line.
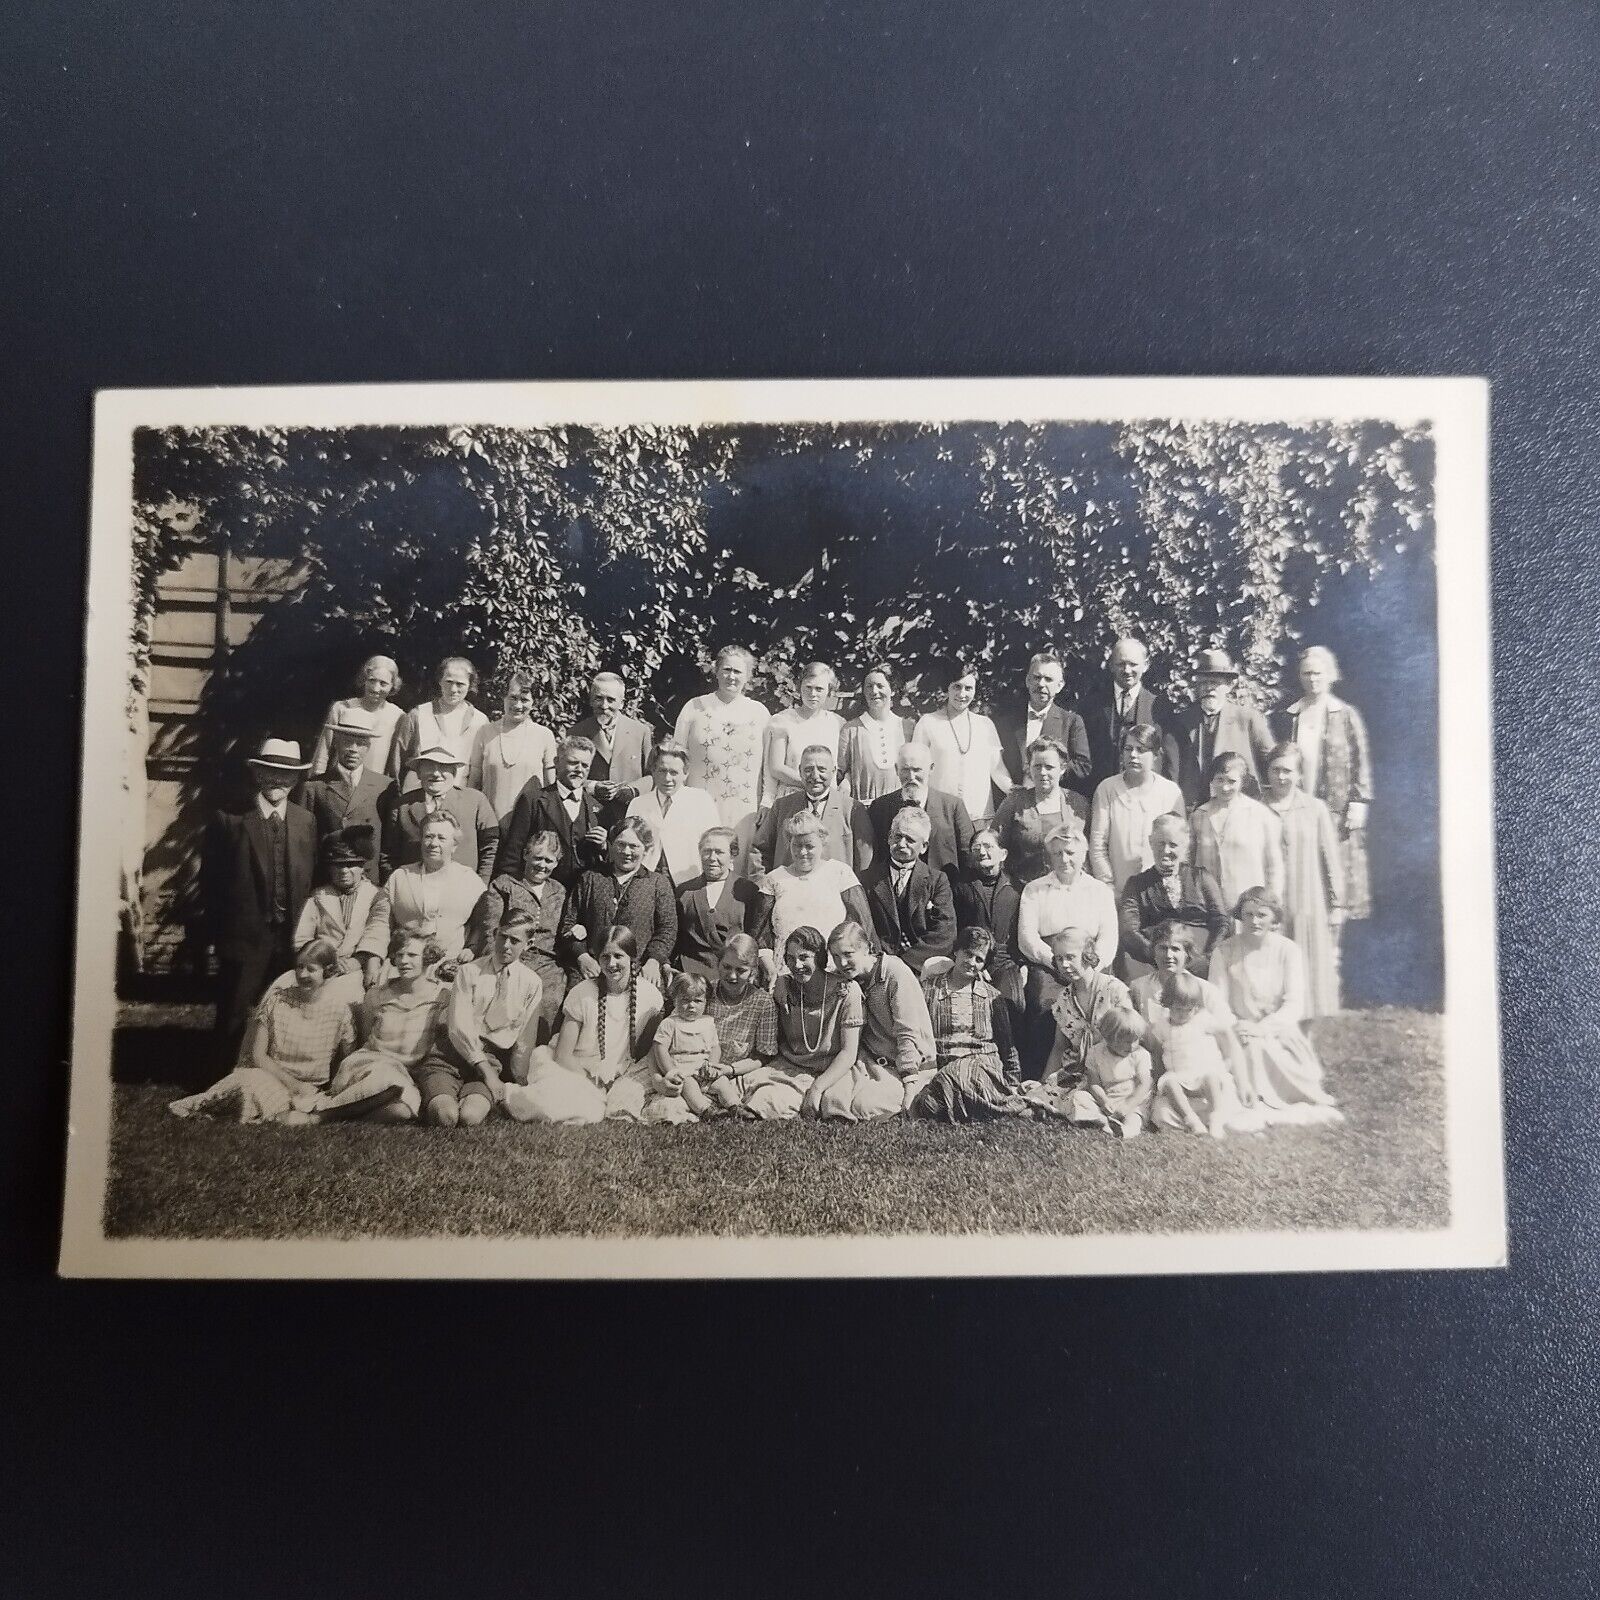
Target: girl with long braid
[600, 1066]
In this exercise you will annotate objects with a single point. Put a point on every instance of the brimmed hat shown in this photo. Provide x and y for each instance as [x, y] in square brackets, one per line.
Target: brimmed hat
[348, 847]
[279, 755]
[441, 755]
[1215, 664]
[352, 720]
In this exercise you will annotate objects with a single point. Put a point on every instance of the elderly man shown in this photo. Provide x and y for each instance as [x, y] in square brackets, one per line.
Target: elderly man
[950, 843]
[1171, 891]
[1121, 703]
[1216, 724]
[620, 771]
[1042, 718]
[478, 840]
[350, 794]
[848, 827]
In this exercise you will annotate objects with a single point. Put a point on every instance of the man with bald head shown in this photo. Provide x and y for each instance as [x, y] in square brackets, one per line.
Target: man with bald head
[950, 843]
[1121, 702]
[622, 744]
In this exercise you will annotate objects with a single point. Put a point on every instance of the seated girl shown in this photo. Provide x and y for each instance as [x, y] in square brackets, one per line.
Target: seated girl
[746, 1018]
[1117, 1077]
[1191, 1060]
[538, 896]
[819, 1017]
[599, 1067]
[1086, 995]
[297, 1035]
[978, 1075]
[399, 1019]
[1169, 944]
[687, 1056]
[811, 892]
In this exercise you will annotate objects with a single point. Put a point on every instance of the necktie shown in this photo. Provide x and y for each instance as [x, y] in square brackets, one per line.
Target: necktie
[280, 869]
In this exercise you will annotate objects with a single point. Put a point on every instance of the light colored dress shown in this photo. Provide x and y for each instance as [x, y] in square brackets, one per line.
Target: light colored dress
[303, 1039]
[398, 1031]
[1266, 988]
[814, 901]
[1119, 828]
[725, 744]
[787, 737]
[1313, 883]
[505, 760]
[1241, 845]
[441, 902]
[867, 752]
[616, 1082]
[677, 829]
[809, 1037]
[384, 722]
[1123, 1080]
[422, 728]
[965, 755]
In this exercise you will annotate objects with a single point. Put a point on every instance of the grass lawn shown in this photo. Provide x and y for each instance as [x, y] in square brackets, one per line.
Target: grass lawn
[1383, 1168]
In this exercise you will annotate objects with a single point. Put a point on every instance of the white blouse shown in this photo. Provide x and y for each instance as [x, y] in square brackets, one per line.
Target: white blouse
[965, 754]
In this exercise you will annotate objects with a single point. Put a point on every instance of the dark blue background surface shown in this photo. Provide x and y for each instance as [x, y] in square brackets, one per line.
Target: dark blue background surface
[308, 193]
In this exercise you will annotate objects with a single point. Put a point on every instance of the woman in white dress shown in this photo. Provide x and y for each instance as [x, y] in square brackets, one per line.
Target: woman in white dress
[872, 739]
[967, 757]
[796, 728]
[1125, 805]
[677, 815]
[511, 751]
[1262, 976]
[724, 733]
[378, 679]
[1237, 840]
[450, 719]
[437, 895]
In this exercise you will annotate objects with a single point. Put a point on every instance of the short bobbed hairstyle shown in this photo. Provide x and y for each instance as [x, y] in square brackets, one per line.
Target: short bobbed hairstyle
[806, 938]
[1045, 745]
[323, 951]
[432, 950]
[638, 827]
[457, 661]
[1142, 736]
[1226, 761]
[1260, 896]
[1079, 939]
[389, 666]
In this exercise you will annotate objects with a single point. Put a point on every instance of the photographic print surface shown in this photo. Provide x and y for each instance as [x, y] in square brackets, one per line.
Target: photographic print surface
[787, 828]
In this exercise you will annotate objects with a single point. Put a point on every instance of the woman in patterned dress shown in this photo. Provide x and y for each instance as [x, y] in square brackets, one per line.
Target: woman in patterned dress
[978, 1073]
[872, 739]
[1336, 769]
[725, 734]
[449, 719]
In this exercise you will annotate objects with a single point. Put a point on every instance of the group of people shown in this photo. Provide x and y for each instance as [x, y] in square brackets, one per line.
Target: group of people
[1115, 912]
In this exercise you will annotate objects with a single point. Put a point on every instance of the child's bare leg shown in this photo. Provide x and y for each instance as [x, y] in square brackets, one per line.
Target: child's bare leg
[442, 1111]
[1219, 1086]
[695, 1097]
[725, 1092]
[1179, 1102]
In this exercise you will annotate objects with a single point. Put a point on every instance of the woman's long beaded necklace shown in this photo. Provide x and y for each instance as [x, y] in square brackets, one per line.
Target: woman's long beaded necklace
[806, 1042]
[962, 748]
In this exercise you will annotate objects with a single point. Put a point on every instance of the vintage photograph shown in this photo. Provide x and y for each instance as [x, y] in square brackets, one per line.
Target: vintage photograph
[787, 828]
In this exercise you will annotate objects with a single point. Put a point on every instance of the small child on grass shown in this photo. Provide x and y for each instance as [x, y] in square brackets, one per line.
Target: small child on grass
[687, 1053]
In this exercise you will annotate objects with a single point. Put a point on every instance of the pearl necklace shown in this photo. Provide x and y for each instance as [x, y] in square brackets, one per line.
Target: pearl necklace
[962, 748]
[805, 1039]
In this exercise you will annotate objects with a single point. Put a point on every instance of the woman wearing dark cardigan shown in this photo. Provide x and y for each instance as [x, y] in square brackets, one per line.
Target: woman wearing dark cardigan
[624, 895]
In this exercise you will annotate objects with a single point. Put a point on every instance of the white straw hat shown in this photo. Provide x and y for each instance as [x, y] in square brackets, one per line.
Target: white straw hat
[279, 755]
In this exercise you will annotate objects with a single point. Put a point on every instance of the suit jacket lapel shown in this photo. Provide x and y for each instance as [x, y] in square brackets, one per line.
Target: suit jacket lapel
[255, 830]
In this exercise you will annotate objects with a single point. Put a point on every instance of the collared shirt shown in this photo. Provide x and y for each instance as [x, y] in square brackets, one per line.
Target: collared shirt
[895, 1025]
[901, 877]
[571, 799]
[490, 1005]
[817, 807]
[715, 891]
[267, 811]
[1048, 906]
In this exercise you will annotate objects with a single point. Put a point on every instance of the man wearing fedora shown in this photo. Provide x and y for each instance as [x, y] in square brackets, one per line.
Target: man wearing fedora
[1216, 723]
[349, 794]
[477, 827]
[255, 878]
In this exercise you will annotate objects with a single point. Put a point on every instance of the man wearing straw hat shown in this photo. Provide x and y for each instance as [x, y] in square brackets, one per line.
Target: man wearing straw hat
[477, 827]
[255, 878]
[349, 794]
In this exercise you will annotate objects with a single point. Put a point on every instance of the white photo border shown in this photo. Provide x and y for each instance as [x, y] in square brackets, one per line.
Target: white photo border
[1457, 411]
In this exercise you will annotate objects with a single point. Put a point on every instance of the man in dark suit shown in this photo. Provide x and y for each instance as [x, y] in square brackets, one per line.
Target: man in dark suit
[255, 878]
[1122, 702]
[349, 794]
[622, 744]
[1214, 724]
[848, 836]
[1172, 891]
[477, 843]
[1042, 718]
[950, 845]
[564, 807]
[911, 905]
[714, 906]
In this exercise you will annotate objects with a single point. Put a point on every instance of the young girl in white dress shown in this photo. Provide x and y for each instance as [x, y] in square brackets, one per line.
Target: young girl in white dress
[687, 1056]
[1118, 1079]
[967, 757]
[1236, 839]
[792, 731]
[599, 1067]
[1191, 1058]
